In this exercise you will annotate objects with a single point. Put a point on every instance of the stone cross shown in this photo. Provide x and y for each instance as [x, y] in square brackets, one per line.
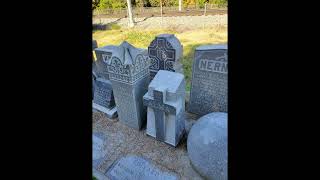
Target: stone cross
[160, 108]
[165, 100]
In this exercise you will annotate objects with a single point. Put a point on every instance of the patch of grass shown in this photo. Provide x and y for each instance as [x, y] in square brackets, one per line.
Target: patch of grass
[190, 40]
[114, 26]
[94, 178]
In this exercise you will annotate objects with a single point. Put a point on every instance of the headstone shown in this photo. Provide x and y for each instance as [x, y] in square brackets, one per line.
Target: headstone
[94, 75]
[104, 55]
[103, 99]
[94, 44]
[207, 146]
[93, 83]
[128, 69]
[166, 107]
[165, 52]
[136, 168]
[209, 85]
[99, 144]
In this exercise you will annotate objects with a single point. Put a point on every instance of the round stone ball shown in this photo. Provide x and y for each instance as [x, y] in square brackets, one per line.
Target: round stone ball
[207, 146]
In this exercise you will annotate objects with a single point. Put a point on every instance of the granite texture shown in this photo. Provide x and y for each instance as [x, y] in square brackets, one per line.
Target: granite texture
[123, 140]
[209, 84]
[103, 95]
[207, 146]
[166, 107]
[133, 167]
[103, 55]
[165, 52]
[128, 69]
[99, 143]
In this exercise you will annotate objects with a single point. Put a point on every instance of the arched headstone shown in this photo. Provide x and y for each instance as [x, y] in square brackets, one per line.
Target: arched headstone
[165, 53]
[209, 84]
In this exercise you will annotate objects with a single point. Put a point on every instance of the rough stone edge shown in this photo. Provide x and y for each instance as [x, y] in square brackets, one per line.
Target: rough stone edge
[110, 113]
[99, 175]
[151, 163]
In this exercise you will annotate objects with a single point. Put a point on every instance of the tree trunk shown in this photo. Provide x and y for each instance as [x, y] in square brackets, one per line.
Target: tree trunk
[161, 7]
[205, 8]
[131, 22]
[180, 5]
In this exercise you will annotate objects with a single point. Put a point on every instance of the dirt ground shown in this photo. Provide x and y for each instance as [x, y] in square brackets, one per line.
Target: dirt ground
[123, 141]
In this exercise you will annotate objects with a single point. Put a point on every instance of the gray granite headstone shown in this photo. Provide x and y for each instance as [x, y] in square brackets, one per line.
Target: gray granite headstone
[94, 75]
[128, 69]
[207, 146]
[137, 168]
[103, 99]
[166, 107]
[94, 44]
[209, 84]
[165, 52]
[99, 143]
[104, 55]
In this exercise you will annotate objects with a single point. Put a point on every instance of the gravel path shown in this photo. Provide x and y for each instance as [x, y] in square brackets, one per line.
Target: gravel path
[169, 22]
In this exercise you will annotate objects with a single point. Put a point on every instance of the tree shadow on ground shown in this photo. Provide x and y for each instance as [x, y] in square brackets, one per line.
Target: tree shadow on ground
[108, 26]
[144, 19]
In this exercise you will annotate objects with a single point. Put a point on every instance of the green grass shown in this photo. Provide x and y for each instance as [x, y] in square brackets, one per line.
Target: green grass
[142, 38]
[94, 178]
[115, 27]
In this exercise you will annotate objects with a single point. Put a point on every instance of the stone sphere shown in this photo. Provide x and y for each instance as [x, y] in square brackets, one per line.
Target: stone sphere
[207, 146]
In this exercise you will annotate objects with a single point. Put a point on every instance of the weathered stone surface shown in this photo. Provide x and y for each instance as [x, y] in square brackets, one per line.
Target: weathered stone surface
[123, 140]
[165, 52]
[207, 146]
[165, 100]
[94, 68]
[94, 44]
[136, 168]
[103, 55]
[93, 83]
[103, 95]
[103, 99]
[209, 85]
[99, 143]
[128, 69]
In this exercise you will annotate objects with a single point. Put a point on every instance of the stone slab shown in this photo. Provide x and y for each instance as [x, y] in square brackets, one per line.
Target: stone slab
[133, 167]
[110, 113]
[209, 84]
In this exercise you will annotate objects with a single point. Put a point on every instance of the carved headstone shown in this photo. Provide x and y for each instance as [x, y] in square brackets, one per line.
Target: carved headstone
[103, 55]
[103, 99]
[165, 52]
[165, 100]
[209, 85]
[128, 69]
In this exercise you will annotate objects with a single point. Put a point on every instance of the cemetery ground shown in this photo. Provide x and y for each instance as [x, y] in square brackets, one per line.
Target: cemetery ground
[191, 31]
[123, 140]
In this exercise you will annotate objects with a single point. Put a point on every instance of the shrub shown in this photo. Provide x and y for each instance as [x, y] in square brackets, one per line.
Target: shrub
[167, 3]
[114, 4]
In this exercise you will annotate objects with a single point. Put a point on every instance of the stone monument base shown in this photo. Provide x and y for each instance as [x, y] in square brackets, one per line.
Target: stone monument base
[110, 113]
